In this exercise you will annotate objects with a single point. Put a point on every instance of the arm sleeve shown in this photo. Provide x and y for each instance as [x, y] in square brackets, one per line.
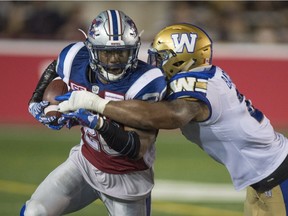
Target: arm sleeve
[127, 143]
[48, 75]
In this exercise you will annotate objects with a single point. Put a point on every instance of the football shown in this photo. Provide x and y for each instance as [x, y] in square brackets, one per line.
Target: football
[55, 88]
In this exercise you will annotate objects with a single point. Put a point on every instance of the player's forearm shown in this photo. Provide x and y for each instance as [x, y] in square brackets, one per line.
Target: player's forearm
[127, 143]
[140, 114]
[126, 112]
[134, 113]
[48, 75]
[147, 139]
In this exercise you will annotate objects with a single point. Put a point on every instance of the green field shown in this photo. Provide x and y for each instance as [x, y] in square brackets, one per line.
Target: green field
[28, 154]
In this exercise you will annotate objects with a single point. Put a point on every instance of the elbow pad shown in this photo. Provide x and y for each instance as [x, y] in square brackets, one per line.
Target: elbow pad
[125, 142]
[48, 75]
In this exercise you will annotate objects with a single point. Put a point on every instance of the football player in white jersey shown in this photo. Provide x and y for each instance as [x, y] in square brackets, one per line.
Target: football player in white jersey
[112, 163]
[205, 104]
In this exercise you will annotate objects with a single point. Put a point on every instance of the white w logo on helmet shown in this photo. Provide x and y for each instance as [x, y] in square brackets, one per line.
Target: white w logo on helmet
[184, 40]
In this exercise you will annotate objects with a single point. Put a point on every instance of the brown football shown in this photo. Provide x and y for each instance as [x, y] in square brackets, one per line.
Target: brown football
[55, 88]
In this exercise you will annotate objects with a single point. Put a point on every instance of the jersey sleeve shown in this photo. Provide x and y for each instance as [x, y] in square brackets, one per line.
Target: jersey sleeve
[151, 86]
[61, 60]
[67, 60]
[189, 85]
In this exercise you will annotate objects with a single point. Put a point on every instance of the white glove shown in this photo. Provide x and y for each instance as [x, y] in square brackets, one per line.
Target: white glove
[82, 99]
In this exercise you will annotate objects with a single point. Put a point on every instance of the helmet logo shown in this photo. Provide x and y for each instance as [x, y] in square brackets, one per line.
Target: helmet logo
[133, 28]
[94, 27]
[184, 40]
[96, 22]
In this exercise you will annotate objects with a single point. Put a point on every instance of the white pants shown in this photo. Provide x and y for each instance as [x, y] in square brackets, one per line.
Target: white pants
[65, 191]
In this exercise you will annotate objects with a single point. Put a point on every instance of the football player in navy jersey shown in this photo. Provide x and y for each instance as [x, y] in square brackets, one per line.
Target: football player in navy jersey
[205, 104]
[112, 163]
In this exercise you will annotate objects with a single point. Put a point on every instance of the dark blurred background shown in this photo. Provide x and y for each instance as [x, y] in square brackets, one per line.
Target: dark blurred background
[235, 21]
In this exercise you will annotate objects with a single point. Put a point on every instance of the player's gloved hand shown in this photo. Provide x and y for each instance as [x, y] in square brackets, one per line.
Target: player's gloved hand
[37, 111]
[63, 97]
[81, 117]
[81, 99]
[68, 121]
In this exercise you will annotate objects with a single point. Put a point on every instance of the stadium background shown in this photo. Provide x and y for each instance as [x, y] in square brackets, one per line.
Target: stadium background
[250, 43]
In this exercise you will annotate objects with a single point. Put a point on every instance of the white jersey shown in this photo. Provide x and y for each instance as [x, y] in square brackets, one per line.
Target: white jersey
[236, 134]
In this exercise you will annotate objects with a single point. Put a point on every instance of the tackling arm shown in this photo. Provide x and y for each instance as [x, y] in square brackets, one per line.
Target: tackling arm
[159, 115]
[138, 114]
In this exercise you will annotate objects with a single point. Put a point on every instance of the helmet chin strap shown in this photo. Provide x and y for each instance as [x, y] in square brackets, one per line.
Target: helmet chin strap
[188, 65]
[112, 77]
[108, 76]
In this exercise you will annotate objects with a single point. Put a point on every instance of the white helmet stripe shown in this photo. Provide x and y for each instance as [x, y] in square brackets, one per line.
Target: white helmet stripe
[115, 26]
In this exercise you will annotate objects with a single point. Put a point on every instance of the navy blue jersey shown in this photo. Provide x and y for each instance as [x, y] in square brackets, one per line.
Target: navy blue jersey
[144, 83]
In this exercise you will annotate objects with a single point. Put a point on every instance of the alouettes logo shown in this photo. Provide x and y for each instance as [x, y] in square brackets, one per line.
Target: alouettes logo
[133, 28]
[94, 27]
